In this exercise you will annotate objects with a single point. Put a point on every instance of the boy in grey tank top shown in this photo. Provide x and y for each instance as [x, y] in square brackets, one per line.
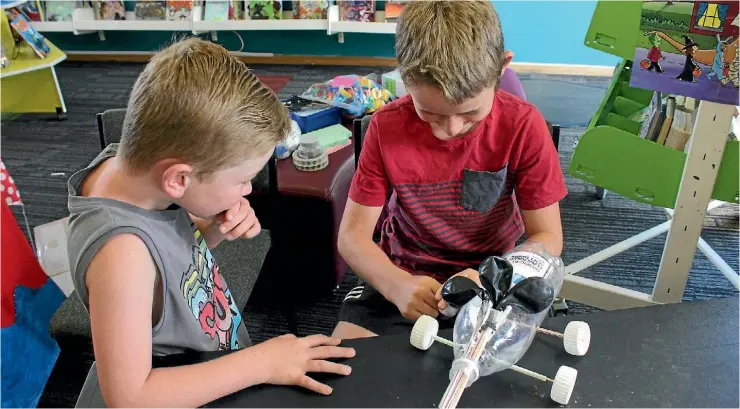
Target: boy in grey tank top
[144, 215]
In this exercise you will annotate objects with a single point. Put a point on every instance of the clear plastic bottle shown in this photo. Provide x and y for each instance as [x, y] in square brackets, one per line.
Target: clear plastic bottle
[513, 335]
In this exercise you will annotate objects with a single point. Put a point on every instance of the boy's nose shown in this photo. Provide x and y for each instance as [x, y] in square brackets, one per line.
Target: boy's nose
[247, 189]
[453, 126]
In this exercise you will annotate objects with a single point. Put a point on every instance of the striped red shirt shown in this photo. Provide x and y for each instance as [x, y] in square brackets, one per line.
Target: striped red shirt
[453, 203]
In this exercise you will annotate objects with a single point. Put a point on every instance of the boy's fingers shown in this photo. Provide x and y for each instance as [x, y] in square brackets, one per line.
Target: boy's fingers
[253, 231]
[248, 227]
[318, 339]
[328, 367]
[228, 225]
[426, 309]
[311, 384]
[243, 228]
[438, 294]
[325, 352]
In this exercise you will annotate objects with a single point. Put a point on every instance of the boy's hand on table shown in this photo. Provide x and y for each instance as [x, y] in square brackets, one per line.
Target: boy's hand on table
[469, 273]
[238, 222]
[289, 358]
[414, 297]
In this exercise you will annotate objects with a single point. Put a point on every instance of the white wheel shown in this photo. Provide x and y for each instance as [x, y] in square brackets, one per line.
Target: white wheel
[577, 338]
[422, 335]
[563, 384]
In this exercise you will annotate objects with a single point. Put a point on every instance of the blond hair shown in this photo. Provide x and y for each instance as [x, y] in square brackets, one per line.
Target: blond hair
[197, 103]
[457, 46]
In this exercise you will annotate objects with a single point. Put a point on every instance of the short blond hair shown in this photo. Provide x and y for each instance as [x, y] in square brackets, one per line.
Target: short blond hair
[457, 46]
[197, 103]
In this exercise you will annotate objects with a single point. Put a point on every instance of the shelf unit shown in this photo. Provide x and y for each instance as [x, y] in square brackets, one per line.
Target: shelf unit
[53, 26]
[340, 27]
[83, 22]
[611, 155]
[29, 84]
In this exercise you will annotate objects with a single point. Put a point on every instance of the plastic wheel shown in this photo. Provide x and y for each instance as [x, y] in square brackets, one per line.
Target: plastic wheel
[422, 335]
[563, 384]
[577, 338]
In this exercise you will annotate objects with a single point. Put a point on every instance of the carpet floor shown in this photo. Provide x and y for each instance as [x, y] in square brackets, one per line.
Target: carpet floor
[41, 153]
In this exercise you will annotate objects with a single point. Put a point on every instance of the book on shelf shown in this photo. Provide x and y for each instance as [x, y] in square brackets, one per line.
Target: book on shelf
[60, 10]
[179, 10]
[150, 10]
[363, 11]
[23, 27]
[109, 10]
[265, 9]
[32, 10]
[216, 10]
[393, 9]
[670, 111]
[668, 120]
[310, 10]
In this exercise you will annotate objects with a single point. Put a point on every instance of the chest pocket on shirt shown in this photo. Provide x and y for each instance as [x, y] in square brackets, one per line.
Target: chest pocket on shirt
[481, 190]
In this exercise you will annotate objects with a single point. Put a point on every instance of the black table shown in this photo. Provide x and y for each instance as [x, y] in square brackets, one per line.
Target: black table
[683, 355]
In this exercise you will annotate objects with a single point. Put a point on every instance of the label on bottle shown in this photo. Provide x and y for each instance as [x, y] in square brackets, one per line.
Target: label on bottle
[527, 265]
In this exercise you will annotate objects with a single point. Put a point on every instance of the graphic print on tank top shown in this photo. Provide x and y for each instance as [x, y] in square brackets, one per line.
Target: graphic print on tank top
[208, 298]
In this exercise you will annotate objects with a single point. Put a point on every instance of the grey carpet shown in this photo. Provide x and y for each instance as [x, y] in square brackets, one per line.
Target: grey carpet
[35, 146]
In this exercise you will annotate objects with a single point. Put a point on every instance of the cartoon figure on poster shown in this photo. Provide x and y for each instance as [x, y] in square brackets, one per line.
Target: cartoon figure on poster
[690, 69]
[654, 57]
[689, 48]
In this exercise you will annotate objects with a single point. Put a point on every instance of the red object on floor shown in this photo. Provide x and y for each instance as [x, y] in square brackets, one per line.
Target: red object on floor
[19, 265]
[8, 190]
[275, 82]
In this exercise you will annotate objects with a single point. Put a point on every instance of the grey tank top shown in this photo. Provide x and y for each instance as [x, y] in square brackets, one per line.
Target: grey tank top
[199, 312]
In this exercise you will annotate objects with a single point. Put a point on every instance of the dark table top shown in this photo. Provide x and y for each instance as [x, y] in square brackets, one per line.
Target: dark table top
[683, 355]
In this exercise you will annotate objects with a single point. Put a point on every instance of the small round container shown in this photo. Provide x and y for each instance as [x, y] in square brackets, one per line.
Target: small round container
[310, 155]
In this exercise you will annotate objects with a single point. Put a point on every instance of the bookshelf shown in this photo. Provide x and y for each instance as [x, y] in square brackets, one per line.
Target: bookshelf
[83, 22]
[29, 84]
[340, 27]
[611, 155]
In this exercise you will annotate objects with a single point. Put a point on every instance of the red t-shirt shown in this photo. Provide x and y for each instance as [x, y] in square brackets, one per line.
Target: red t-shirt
[453, 202]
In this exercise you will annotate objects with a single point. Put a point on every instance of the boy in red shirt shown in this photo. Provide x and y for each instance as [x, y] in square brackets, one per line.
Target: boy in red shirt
[469, 169]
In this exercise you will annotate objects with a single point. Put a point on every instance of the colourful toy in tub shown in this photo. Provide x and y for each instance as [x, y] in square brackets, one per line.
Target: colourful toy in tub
[358, 95]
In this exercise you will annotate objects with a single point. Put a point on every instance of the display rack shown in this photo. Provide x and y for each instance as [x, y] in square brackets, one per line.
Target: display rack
[29, 84]
[611, 155]
[84, 22]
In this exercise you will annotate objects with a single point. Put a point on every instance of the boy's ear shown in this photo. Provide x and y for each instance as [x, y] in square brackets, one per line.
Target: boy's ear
[176, 178]
[508, 56]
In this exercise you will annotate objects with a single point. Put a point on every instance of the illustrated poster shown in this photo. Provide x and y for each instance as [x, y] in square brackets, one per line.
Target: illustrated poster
[689, 48]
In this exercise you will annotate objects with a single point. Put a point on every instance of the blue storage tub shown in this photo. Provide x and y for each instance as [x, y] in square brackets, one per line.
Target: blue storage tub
[311, 115]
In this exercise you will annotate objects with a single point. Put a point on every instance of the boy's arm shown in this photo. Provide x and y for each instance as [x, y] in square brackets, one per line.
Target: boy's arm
[413, 295]
[209, 230]
[121, 295]
[120, 281]
[540, 185]
[544, 226]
